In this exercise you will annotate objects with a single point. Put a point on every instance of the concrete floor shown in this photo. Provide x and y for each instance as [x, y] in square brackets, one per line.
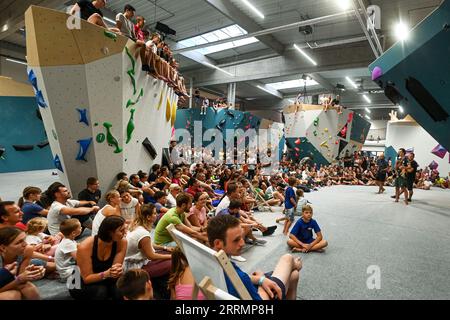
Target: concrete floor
[365, 231]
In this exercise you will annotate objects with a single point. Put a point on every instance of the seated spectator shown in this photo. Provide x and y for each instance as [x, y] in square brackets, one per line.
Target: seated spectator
[28, 205]
[129, 206]
[163, 182]
[182, 282]
[92, 191]
[174, 190]
[197, 214]
[225, 233]
[100, 260]
[161, 200]
[16, 273]
[112, 208]
[63, 207]
[90, 11]
[177, 217]
[141, 253]
[123, 185]
[301, 237]
[11, 215]
[66, 252]
[135, 284]
[36, 236]
[154, 172]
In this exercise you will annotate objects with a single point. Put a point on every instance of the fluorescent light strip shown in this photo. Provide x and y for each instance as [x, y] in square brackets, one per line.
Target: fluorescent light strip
[16, 61]
[217, 68]
[400, 108]
[109, 20]
[367, 98]
[266, 90]
[367, 110]
[351, 82]
[367, 117]
[305, 55]
[253, 8]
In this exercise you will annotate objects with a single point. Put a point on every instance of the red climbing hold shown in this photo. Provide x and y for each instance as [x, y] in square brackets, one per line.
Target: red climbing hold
[297, 141]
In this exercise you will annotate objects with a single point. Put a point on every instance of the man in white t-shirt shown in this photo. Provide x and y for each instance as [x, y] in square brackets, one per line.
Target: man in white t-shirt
[64, 208]
[123, 21]
[174, 190]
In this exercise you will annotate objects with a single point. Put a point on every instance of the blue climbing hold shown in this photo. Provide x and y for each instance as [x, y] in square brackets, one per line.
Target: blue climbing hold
[57, 163]
[40, 99]
[32, 78]
[83, 116]
[84, 146]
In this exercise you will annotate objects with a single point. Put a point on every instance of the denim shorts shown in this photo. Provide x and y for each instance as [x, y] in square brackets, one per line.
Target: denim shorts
[289, 213]
[38, 262]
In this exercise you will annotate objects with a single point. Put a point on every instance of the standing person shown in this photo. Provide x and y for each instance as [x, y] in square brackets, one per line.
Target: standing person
[140, 22]
[400, 180]
[123, 21]
[100, 259]
[290, 204]
[92, 191]
[90, 11]
[382, 168]
[411, 171]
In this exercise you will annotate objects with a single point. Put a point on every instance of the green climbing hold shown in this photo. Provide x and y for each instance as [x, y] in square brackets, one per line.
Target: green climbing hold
[315, 133]
[54, 134]
[110, 138]
[130, 126]
[95, 124]
[130, 103]
[316, 122]
[133, 61]
[110, 35]
[133, 82]
[100, 137]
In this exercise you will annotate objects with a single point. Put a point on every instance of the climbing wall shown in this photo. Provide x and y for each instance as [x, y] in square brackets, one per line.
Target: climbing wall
[322, 136]
[415, 74]
[101, 113]
[224, 120]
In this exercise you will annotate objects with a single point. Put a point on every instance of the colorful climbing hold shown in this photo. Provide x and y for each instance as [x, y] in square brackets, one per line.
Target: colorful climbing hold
[174, 112]
[110, 35]
[57, 163]
[95, 124]
[133, 61]
[100, 137]
[316, 122]
[297, 141]
[54, 134]
[133, 82]
[326, 129]
[32, 78]
[110, 138]
[40, 99]
[84, 146]
[315, 133]
[130, 126]
[83, 116]
[168, 109]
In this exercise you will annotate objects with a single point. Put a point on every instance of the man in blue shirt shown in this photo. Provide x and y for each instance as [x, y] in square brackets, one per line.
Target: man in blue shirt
[301, 237]
[225, 233]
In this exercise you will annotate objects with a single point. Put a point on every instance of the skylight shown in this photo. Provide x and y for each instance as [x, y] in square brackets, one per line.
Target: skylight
[292, 84]
[221, 34]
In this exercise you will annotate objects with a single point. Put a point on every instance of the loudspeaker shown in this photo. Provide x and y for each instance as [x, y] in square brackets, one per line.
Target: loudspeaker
[150, 148]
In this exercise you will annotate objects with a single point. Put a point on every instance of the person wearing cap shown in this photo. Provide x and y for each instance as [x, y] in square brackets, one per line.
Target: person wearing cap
[174, 190]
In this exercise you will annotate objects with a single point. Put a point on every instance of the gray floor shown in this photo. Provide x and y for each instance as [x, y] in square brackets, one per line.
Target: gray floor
[409, 244]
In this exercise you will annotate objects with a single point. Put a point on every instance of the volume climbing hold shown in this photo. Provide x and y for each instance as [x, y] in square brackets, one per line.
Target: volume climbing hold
[84, 146]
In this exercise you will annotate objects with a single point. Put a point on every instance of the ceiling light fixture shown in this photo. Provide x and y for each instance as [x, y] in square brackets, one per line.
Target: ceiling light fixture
[253, 8]
[216, 67]
[367, 98]
[400, 108]
[305, 55]
[367, 110]
[351, 82]
[109, 20]
[16, 61]
[367, 117]
[401, 31]
[344, 4]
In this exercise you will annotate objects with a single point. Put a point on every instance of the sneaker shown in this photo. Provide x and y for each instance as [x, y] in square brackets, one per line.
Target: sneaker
[238, 258]
[260, 241]
[249, 241]
[393, 197]
[409, 200]
[270, 230]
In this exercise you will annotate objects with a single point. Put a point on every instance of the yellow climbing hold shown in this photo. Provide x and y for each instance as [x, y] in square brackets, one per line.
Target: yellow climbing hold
[160, 101]
[324, 144]
[168, 109]
[174, 112]
[326, 129]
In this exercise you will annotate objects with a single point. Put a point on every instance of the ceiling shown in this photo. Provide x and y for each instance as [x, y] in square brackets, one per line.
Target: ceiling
[342, 48]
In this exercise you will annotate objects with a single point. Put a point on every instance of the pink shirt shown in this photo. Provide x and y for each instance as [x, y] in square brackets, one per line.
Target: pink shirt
[184, 292]
[201, 214]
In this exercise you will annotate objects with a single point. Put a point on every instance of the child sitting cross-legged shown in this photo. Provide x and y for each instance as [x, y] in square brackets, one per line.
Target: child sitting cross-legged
[301, 236]
[66, 252]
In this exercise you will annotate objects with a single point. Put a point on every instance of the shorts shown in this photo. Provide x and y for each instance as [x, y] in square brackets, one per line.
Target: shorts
[172, 244]
[381, 176]
[38, 262]
[289, 213]
[410, 184]
[279, 283]
[400, 182]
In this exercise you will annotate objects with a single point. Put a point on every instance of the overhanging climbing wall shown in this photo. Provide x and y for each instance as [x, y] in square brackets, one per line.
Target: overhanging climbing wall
[415, 74]
[97, 106]
[322, 136]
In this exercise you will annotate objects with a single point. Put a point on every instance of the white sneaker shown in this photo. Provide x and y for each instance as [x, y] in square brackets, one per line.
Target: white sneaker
[238, 258]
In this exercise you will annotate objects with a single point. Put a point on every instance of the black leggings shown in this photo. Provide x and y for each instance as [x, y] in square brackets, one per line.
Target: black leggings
[96, 291]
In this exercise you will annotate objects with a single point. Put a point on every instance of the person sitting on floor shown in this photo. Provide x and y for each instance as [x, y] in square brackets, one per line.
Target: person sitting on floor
[161, 200]
[112, 208]
[135, 284]
[11, 215]
[63, 207]
[92, 191]
[100, 260]
[16, 272]
[197, 214]
[129, 206]
[28, 205]
[225, 233]
[36, 236]
[66, 252]
[301, 237]
[177, 217]
[181, 281]
[174, 190]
